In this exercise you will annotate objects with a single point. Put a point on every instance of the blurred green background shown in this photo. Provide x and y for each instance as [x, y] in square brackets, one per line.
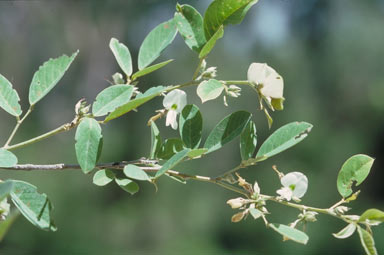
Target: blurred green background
[330, 54]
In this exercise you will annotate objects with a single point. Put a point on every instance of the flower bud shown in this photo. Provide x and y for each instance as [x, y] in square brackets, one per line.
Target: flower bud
[118, 78]
[237, 202]
[341, 209]
[209, 73]
[238, 216]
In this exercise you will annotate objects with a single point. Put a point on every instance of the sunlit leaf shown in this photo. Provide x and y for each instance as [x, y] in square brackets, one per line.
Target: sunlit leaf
[34, 206]
[128, 185]
[122, 55]
[7, 158]
[135, 172]
[209, 90]
[290, 233]
[88, 138]
[173, 161]
[227, 129]
[211, 43]
[191, 126]
[284, 138]
[103, 177]
[111, 98]
[48, 75]
[9, 99]
[150, 69]
[346, 232]
[367, 241]
[372, 215]
[155, 42]
[355, 169]
[248, 141]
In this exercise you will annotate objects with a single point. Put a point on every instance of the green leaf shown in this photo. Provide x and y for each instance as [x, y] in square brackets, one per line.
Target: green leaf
[290, 233]
[284, 138]
[7, 223]
[177, 178]
[170, 147]
[128, 185]
[135, 172]
[103, 177]
[209, 90]
[150, 69]
[48, 75]
[248, 141]
[371, 215]
[223, 12]
[88, 138]
[133, 104]
[190, 26]
[122, 55]
[34, 206]
[346, 232]
[211, 43]
[111, 98]
[9, 99]
[356, 168]
[196, 153]
[367, 241]
[173, 161]
[155, 42]
[7, 158]
[155, 141]
[191, 126]
[255, 213]
[227, 129]
[5, 188]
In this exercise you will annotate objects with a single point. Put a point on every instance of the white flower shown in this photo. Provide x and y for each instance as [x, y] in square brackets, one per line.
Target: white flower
[295, 185]
[237, 202]
[270, 82]
[174, 102]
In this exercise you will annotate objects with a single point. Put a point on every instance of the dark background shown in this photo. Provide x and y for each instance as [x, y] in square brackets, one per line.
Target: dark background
[330, 54]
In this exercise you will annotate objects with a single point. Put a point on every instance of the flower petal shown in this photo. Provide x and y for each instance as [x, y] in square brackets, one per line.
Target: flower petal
[273, 86]
[176, 98]
[171, 119]
[298, 181]
[257, 72]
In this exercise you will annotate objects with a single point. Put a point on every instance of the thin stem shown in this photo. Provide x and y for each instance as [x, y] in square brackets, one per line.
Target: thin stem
[230, 171]
[238, 82]
[196, 73]
[18, 124]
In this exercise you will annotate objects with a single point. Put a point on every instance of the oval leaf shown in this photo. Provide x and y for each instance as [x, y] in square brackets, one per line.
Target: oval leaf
[372, 215]
[48, 75]
[346, 232]
[355, 169]
[190, 26]
[170, 147]
[135, 172]
[290, 233]
[173, 161]
[211, 43]
[155, 141]
[155, 42]
[128, 185]
[196, 153]
[133, 104]
[88, 138]
[209, 90]
[226, 130]
[111, 98]
[122, 55]
[9, 99]
[34, 206]
[255, 213]
[150, 69]
[367, 241]
[191, 126]
[284, 138]
[248, 141]
[7, 158]
[223, 12]
[103, 177]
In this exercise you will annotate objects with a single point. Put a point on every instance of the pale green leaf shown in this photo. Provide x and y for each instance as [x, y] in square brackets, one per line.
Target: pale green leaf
[223, 12]
[9, 99]
[155, 42]
[135, 172]
[34, 206]
[122, 55]
[191, 126]
[128, 185]
[196, 153]
[355, 169]
[103, 177]
[5, 188]
[136, 102]
[227, 129]
[372, 215]
[190, 25]
[209, 90]
[150, 69]
[367, 241]
[48, 75]
[346, 232]
[170, 147]
[88, 138]
[211, 43]
[7, 158]
[111, 98]
[284, 138]
[290, 233]
[173, 161]
[155, 141]
[255, 213]
[248, 141]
